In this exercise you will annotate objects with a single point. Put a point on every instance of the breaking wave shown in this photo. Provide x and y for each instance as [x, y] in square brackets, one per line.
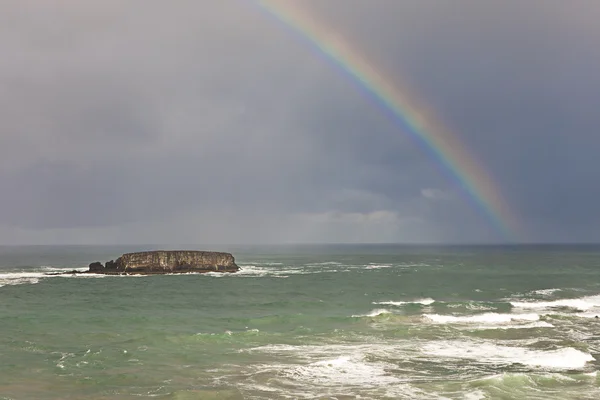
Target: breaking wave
[425, 302]
[490, 318]
[485, 352]
[582, 303]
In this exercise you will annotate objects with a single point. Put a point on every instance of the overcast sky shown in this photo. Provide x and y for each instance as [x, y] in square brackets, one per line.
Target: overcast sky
[212, 122]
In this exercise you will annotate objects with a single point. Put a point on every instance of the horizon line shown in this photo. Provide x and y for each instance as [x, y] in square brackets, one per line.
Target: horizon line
[540, 243]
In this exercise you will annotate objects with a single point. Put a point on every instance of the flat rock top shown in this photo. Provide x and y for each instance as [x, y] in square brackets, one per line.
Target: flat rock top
[176, 252]
[167, 261]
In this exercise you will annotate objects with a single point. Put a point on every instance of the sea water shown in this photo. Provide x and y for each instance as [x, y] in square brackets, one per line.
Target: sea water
[305, 322]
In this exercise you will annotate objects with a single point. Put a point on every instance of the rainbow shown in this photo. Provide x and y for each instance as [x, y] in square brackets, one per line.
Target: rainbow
[435, 140]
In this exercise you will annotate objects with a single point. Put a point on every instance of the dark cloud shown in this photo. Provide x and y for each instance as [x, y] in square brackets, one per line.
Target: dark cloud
[190, 122]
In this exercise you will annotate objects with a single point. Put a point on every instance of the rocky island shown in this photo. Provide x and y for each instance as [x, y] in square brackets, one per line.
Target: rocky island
[166, 262]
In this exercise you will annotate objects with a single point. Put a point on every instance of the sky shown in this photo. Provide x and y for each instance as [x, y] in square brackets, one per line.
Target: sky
[129, 122]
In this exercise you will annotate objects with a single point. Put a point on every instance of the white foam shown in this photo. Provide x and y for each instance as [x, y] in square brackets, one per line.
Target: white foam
[531, 325]
[546, 292]
[273, 272]
[319, 371]
[479, 307]
[254, 271]
[582, 303]
[335, 366]
[490, 318]
[64, 356]
[378, 266]
[484, 352]
[417, 265]
[476, 395]
[93, 276]
[311, 353]
[342, 371]
[47, 268]
[425, 302]
[20, 278]
[374, 313]
[588, 314]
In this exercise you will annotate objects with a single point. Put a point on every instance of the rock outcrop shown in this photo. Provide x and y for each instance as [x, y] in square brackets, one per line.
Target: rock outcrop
[96, 267]
[167, 262]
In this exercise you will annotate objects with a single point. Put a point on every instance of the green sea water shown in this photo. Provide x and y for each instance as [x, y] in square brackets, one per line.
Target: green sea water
[306, 322]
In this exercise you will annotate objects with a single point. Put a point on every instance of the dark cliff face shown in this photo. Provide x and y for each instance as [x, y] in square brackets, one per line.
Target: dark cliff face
[168, 262]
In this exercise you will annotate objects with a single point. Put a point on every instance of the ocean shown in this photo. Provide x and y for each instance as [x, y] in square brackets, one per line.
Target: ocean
[305, 322]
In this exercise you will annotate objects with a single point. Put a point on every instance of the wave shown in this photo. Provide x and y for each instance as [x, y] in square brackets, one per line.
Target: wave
[378, 266]
[403, 266]
[279, 270]
[545, 292]
[582, 303]
[48, 268]
[588, 315]
[228, 333]
[374, 313]
[386, 369]
[20, 278]
[476, 395]
[344, 370]
[379, 370]
[340, 377]
[478, 306]
[470, 305]
[332, 371]
[259, 272]
[17, 278]
[553, 385]
[255, 271]
[33, 277]
[425, 302]
[490, 318]
[488, 321]
[482, 352]
[531, 325]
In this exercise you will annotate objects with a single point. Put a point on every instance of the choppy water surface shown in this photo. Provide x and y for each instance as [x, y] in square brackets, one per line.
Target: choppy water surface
[370, 322]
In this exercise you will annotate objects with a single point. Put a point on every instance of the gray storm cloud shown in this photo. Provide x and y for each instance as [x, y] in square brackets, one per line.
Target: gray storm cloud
[204, 122]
